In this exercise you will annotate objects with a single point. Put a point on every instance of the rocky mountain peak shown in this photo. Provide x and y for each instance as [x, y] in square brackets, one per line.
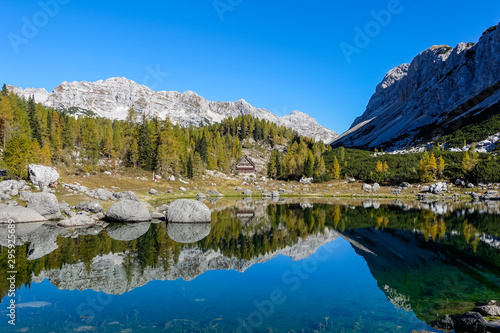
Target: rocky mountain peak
[113, 97]
[437, 81]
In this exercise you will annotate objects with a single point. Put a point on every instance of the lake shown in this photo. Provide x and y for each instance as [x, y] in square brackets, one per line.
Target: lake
[260, 266]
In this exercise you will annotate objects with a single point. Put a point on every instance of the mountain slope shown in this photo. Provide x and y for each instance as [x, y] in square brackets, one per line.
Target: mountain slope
[436, 93]
[113, 97]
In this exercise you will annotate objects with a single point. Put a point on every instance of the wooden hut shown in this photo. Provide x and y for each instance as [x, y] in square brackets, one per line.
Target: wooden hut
[245, 165]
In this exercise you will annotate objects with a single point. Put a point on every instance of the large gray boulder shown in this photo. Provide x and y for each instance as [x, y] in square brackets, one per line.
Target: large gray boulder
[127, 231]
[128, 211]
[126, 195]
[438, 188]
[92, 207]
[46, 204]
[186, 210]
[77, 221]
[19, 214]
[101, 194]
[247, 192]
[41, 174]
[187, 233]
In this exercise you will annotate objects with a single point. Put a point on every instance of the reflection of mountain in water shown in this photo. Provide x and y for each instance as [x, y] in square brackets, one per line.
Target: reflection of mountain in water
[434, 262]
[434, 279]
[109, 273]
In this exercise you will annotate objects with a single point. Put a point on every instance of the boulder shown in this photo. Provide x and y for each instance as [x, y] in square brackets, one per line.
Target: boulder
[214, 193]
[65, 207]
[247, 192]
[438, 188]
[405, 185]
[12, 185]
[80, 220]
[101, 194]
[157, 215]
[46, 204]
[19, 214]
[186, 210]
[126, 195]
[470, 185]
[275, 194]
[93, 207]
[305, 180]
[187, 233]
[376, 187]
[489, 309]
[201, 196]
[153, 191]
[425, 188]
[4, 196]
[182, 189]
[473, 322]
[238, 188]
[266, 193]
[40, 174]
[128, 211]
[127, 231]
[489, 195]
[367, 188]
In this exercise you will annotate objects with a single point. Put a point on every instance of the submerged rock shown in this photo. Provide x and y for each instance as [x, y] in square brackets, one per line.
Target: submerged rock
[186, 210]
[128, 211]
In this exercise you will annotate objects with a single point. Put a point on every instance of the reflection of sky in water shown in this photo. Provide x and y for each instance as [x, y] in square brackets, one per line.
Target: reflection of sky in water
[335, 283]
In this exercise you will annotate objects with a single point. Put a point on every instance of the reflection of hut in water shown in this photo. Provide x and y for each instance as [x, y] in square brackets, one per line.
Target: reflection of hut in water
[188, 232]
[245, 215]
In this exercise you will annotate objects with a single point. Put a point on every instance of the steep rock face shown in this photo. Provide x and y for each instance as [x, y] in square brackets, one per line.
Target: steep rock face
[109, 274]
[439, 81]
[113, 97]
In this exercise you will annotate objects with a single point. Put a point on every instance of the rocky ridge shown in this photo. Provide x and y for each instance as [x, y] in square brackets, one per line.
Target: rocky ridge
[442, 87]
[113, 97]
[108, 273]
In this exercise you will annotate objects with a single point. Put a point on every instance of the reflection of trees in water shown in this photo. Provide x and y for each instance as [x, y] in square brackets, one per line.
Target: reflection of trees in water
[283, 225]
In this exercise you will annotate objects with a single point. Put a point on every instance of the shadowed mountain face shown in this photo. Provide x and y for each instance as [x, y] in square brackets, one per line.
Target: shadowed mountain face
[434, 264]
[440, 91]
[433, 279]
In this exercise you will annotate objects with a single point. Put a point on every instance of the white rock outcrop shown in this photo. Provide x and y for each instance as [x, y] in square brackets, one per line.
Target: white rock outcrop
[41, 174]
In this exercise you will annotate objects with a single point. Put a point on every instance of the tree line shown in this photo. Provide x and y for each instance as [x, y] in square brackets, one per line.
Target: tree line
[32, 133]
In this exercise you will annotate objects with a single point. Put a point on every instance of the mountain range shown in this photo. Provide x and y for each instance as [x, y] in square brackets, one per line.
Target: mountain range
[113, 97]
[440, 91]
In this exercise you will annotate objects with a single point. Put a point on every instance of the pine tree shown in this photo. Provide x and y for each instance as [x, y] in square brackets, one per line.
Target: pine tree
[441, 165]
[467, 163]
[190, 173]
[309, 165]
[5, 91]
[33, 120]
[342, 154]
[271, 165]
[423, 168]
[134, 153]
[432, 165]
[335, 170]
[6, 119]
[17, 155]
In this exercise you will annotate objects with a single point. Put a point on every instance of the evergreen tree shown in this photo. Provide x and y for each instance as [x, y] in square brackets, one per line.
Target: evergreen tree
[6, 119]
[5, 91]
[335, 170]
[190, 172]
[309, 165]
[33, 120]
[17, 155]
[134, 153]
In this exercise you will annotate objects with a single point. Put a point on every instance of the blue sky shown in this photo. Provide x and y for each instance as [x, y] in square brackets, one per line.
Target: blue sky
[279, 55]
